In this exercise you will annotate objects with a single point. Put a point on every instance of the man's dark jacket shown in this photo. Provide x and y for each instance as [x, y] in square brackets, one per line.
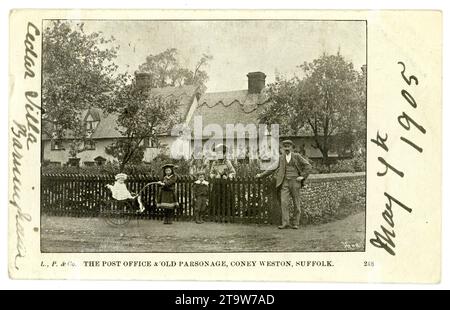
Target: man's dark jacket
[301, 164]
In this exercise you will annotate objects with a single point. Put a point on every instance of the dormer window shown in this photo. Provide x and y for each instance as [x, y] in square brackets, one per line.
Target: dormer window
[91, 124]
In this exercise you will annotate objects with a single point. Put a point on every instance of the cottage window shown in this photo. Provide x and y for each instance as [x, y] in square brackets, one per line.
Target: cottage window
[99, 161]
[89, 145]
[91, 125]
[57, 145]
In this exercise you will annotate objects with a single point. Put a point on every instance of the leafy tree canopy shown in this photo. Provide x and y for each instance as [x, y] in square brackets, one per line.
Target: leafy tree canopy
[166, 70]
[77, 73]
[140, 115]
[329, 101]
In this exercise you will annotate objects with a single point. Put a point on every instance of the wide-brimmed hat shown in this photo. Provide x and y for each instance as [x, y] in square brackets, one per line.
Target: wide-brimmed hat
[200, 172]
[172, 166]
[284, 142]
[121, 176]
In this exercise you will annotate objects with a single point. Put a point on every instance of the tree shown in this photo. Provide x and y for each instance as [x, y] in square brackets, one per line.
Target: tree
[351, 133]
[77, 73]
[282, 98]
[329, 100]
[140, 115]
[166, 70]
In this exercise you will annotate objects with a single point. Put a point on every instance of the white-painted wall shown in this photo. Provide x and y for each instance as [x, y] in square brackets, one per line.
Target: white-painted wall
[62, 156]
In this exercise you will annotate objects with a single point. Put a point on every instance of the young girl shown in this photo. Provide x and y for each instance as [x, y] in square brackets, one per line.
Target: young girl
[167, 197]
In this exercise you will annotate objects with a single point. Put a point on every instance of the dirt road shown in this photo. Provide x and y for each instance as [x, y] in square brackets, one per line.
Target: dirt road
[69, 234]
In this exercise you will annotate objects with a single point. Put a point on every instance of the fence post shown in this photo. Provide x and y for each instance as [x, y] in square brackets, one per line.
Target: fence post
[275, 204]
[242, 199]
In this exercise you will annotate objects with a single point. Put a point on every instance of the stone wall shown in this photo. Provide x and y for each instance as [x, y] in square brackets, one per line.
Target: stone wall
[333, 196]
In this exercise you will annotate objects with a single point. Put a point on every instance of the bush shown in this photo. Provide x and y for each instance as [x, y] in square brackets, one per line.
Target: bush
[152, 168]
[356, 164]
[246, 169]
[107, 168]
[243, 169]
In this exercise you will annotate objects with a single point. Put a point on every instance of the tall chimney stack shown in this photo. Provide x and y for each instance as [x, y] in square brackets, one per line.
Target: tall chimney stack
[143, 80]
[256, 82]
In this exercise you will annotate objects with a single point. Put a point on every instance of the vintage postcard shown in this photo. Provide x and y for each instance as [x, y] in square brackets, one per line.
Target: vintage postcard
[225, 145]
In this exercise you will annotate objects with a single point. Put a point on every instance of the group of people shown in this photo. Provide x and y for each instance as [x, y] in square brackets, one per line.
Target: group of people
[292, 170]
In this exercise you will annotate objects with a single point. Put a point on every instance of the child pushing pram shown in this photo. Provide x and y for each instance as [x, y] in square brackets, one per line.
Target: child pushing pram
[166, 199]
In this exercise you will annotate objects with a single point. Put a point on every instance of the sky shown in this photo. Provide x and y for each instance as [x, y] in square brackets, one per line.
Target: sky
[237, 47]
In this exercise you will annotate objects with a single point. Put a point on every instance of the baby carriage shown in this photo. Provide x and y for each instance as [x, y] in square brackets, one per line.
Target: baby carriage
[121, 205]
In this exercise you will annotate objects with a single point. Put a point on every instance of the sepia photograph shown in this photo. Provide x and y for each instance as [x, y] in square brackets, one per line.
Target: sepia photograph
[203, 136]
[225, 145]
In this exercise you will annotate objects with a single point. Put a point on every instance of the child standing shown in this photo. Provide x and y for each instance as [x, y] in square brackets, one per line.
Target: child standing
[201, 195]
[167, 197]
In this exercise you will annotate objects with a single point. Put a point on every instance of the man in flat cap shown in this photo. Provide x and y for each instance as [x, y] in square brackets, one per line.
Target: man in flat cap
[292, 171]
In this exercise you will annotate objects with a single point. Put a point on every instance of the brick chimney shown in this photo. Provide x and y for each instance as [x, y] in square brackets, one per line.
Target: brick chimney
[256, 82]
[143, 79]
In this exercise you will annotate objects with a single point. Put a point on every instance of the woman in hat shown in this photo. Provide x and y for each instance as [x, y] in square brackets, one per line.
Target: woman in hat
[167, 197]
[222, 168]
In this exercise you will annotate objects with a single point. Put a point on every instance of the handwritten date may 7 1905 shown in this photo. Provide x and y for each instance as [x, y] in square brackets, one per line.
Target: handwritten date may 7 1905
[384, 239]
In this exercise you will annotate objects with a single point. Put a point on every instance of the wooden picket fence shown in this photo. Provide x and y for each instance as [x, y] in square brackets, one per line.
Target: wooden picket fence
[239, 200]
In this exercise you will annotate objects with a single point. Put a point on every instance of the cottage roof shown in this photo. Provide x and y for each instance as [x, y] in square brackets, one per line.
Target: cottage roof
[234, 107]
[231, 107]
[94, 112]
[107, 126]
[183, 94]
